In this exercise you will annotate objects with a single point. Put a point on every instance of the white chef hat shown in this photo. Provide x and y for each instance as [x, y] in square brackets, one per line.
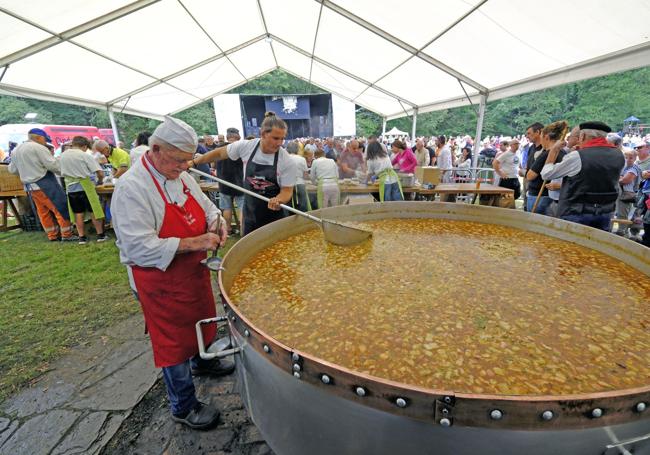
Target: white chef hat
[177, 133]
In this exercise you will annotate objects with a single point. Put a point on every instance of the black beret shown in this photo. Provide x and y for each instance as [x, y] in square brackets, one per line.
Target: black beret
[600, 126]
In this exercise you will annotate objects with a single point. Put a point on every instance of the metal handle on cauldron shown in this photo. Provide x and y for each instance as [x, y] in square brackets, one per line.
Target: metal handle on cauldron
[199, 338]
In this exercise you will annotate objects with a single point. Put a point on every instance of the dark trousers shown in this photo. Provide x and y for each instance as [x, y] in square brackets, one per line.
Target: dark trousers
[596, 221]
[512, 184]
[180, 385]
[646, 234]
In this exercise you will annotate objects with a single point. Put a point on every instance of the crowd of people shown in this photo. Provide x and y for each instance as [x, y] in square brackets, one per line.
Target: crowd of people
[165, 224]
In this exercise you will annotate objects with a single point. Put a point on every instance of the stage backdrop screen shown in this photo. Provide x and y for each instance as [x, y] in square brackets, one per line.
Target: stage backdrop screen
[289, 107]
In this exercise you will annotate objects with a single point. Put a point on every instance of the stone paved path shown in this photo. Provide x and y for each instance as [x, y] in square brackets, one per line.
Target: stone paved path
[106, 397]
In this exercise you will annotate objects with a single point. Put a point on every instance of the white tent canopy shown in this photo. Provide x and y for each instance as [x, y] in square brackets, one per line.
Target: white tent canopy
[157, 57]
[395, 132]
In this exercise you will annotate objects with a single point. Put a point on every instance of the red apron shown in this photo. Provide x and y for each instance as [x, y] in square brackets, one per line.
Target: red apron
[172, 301]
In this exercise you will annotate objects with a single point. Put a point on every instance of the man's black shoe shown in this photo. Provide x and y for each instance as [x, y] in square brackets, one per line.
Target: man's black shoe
[202, 417]
[216, 367]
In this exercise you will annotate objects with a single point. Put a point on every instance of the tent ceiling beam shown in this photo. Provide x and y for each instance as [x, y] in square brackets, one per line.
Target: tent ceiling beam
[623, 60]
[46, 96]
[266, 30]
[57, 38]
[334, 67]
[188, 69]
[313, 48]
[402, 45]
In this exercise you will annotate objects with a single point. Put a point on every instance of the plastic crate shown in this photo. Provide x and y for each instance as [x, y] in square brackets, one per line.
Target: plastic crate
[8, 181]
[30, 223]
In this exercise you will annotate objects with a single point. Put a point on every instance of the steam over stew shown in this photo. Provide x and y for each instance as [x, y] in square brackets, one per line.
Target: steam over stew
[460, 306]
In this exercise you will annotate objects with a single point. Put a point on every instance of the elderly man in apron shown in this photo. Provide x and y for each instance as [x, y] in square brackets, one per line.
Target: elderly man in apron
[36, 166]
[164, 225]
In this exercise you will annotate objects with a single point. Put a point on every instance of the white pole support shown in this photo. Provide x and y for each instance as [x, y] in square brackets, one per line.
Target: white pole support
[383, 126]
[114, 126]
[479, 129]
[415, 122]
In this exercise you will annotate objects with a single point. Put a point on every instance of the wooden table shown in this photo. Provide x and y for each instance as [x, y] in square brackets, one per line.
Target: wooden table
[492, 191]
[7, 198]
[349, 188]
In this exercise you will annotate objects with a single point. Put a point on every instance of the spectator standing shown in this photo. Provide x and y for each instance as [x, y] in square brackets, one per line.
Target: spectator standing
[506, 165]
[629, 185]
[79, 169]
[590, 188]
[324, 174]
[141, 146]
[231, 171]
[300, 199]
[36, 166]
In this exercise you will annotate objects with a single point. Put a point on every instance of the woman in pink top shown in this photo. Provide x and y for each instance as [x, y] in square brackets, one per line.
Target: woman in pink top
[404, 159]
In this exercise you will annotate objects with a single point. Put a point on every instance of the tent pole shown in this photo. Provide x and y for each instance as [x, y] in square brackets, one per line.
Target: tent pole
[479, 129]
[383, 126]
[415, 121]
[113, 125]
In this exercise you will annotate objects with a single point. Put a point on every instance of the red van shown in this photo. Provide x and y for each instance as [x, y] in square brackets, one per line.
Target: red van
[60, 134]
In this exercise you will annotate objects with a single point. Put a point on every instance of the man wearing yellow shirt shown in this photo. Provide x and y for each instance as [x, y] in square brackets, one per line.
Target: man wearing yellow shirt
[118, 158]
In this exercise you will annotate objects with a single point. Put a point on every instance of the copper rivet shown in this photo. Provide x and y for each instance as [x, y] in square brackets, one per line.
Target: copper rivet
[361, 391]
[267, 349]
[547, 415]
[233, 318]
[445, 422]
[247, 333]
[597, 412]
[640, 407]
[296, 375]
[400, 402]
[296, 367]
[495, 414]
[325, 378]
[447, 400]
[295, 357]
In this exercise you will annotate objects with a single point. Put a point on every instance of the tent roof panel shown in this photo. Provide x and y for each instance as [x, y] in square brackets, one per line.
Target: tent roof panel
[355, 49]
[419, 81]
[16, 34]
[294, 21]
[161, 98]
[361, 49]
[254, 59]
[50, 71]
[292, 61]
[388, 16]
[224, 24]
[59, 16]
[174, 43]
[209, 79]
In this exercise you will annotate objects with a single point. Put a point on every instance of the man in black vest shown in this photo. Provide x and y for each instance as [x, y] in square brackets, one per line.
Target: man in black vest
[233, 172]
[590, 186]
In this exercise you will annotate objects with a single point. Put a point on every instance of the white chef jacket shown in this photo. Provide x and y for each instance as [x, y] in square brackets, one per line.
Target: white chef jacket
[138, 211]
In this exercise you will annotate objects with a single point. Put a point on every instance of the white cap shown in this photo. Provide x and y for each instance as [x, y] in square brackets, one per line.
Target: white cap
[177, 133]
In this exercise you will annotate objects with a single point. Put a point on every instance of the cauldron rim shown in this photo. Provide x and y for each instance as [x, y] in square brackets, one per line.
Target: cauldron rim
[576, 410]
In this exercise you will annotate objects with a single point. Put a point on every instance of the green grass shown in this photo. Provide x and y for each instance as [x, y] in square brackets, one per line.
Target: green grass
[52, 297]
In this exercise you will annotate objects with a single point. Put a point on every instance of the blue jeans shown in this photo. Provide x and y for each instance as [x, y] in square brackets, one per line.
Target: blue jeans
[391, 192]
[542, 205]
[596, 221]
[180, 385]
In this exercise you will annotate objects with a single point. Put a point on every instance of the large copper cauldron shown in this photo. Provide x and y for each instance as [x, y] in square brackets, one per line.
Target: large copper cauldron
[305, 405]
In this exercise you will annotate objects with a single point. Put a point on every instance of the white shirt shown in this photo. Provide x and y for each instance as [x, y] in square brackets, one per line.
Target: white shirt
[377, 165]
[570, 165]
[324, 168]
[137, 152]
[78, 164]
[509, 164]
[301, 168]
[138, 211]
[286, 172]
[31, 161]
[444, 159]
[422, 156]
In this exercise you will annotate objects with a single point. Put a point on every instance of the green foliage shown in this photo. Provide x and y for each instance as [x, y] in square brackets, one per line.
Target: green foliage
[610, 99]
